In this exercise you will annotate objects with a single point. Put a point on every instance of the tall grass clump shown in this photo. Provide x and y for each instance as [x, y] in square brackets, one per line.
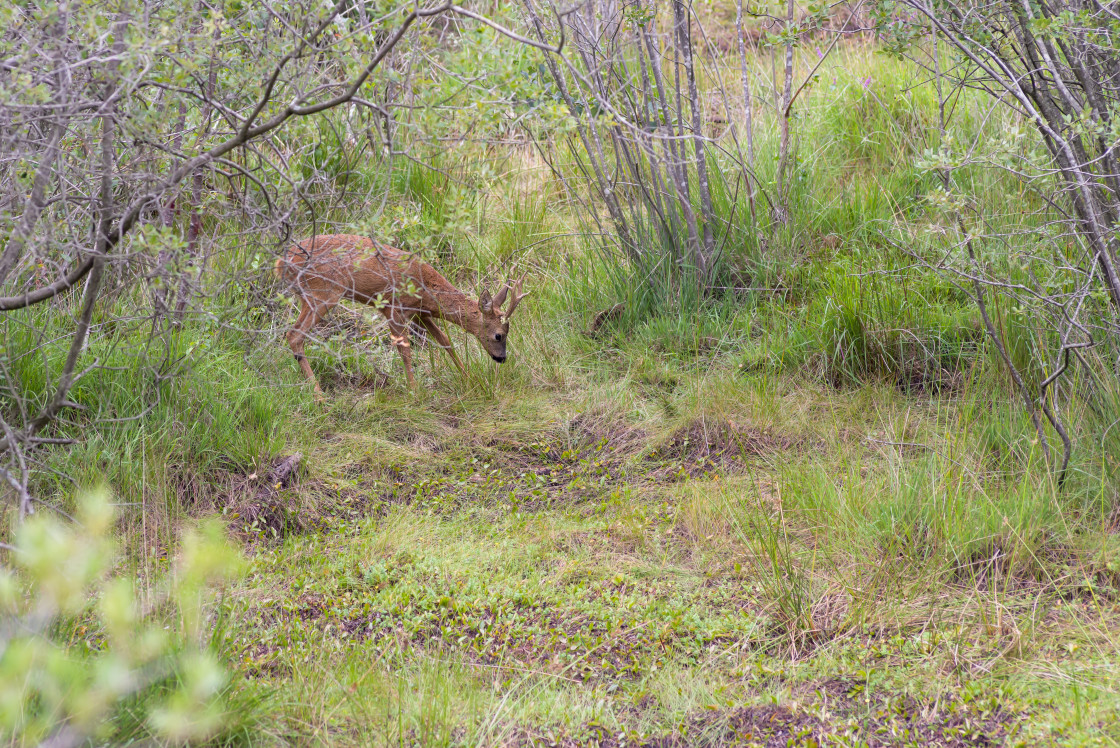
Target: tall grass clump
[435, 208]
[153, 414]
[522, 223]
[893, 326]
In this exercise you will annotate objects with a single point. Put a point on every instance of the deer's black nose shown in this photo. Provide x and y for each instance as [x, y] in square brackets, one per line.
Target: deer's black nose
[499, 359]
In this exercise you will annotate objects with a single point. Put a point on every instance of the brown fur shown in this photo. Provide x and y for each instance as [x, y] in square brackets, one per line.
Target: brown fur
[327, 269]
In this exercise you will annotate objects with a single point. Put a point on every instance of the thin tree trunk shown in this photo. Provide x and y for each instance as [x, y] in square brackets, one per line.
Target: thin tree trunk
[609, 197]
[748, 107]
[706, 257]
[783, 119]
[589, 45]
[36, 199]
[677, 170]
[978, 289]
[194, 228]
[70, 374]
[651, 116]
[678, 132]
[17, 241]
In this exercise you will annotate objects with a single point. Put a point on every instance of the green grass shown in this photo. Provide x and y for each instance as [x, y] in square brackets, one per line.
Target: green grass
[553, 570]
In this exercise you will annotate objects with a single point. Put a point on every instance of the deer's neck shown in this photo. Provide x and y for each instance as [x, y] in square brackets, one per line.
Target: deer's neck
[461, 310]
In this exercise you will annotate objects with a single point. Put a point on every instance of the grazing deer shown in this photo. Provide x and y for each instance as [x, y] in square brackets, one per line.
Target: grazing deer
[326, 269]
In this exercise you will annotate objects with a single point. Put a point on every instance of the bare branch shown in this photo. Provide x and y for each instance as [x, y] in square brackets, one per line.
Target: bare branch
[8, 303]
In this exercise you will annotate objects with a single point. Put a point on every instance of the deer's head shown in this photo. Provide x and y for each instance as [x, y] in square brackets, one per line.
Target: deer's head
[495, 322]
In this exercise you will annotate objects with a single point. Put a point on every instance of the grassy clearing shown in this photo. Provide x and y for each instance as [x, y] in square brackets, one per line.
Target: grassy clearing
[812, 513]
[557, 573]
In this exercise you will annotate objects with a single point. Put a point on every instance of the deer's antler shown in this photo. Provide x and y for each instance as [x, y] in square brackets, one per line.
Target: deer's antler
[500, 297]
[517, 295]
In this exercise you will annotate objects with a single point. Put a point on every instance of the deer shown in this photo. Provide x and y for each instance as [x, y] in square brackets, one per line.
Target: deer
[328, 268]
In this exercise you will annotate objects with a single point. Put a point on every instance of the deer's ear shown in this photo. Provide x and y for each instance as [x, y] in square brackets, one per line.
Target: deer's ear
[485, 303]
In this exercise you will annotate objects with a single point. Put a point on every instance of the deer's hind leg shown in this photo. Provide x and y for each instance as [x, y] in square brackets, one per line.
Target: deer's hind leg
[310, 315]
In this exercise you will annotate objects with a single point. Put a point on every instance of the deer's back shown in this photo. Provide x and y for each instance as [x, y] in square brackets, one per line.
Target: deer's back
[355, 267]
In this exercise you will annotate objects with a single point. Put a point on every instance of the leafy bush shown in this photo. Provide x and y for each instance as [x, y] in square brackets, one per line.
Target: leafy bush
[76, 642]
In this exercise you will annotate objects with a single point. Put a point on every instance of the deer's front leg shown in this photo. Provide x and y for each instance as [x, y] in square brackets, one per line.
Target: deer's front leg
[309, 316]
[442, 340]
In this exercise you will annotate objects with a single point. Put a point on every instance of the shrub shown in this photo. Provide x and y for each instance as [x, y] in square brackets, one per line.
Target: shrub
[76, 642]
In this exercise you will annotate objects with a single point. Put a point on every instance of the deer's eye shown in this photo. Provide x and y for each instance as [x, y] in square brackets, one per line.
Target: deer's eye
[498, 337]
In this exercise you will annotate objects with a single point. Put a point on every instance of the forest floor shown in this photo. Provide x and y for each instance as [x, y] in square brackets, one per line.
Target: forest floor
[641, 565]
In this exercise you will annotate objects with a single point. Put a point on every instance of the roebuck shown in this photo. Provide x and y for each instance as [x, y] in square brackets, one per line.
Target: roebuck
[326, 269]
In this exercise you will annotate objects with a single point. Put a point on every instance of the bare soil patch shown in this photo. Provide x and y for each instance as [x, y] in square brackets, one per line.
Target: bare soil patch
[877, 723]
[705, 447]
[921, 378]
[585, 459]
[257, 504]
